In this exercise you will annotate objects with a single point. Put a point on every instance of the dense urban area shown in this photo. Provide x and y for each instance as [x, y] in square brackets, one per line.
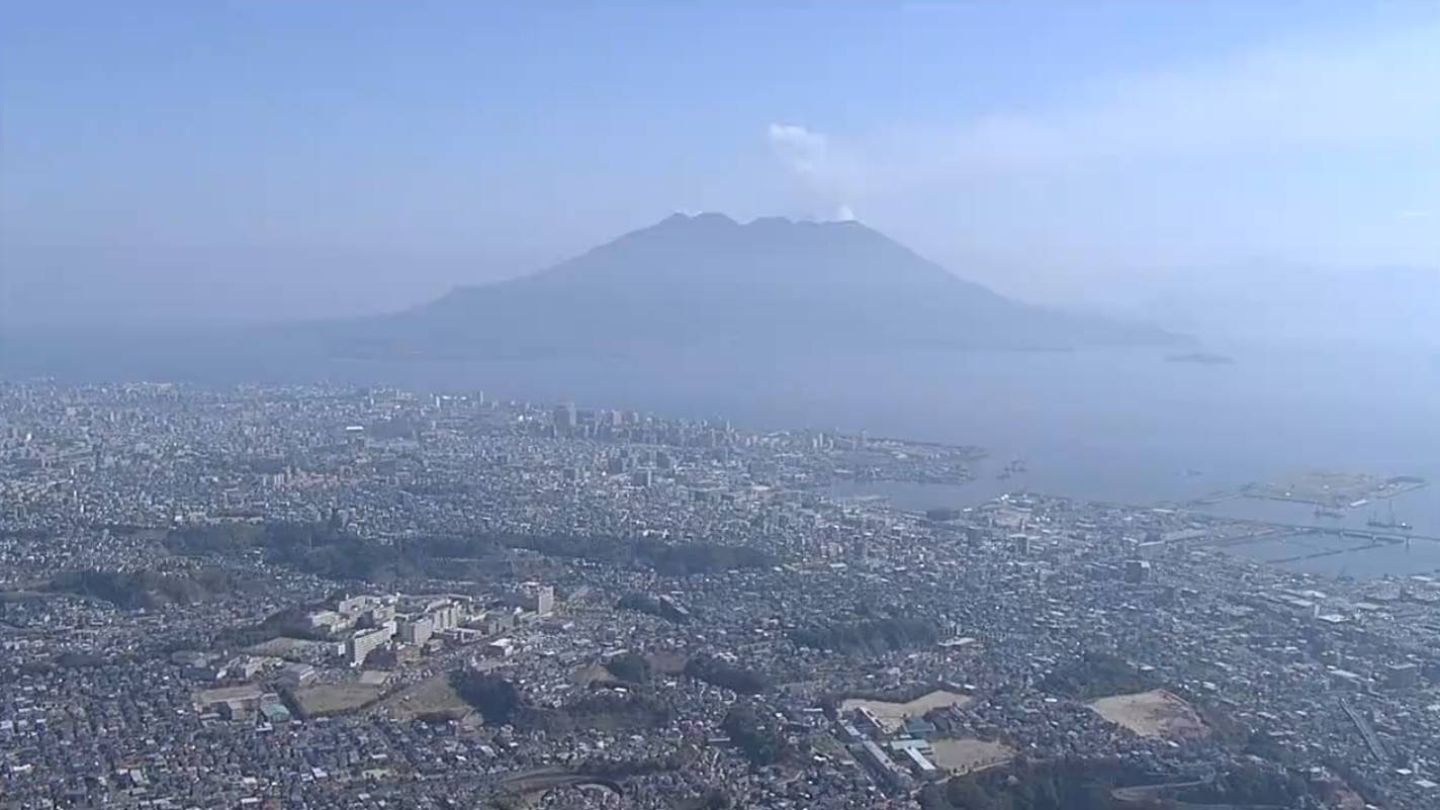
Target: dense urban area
[313, 597]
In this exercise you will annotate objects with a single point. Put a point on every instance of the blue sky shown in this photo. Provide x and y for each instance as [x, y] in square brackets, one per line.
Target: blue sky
[251, 159]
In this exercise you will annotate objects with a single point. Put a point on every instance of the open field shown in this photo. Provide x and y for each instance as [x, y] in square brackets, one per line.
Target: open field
[969, 755]
[1156, 713]
[432, 696]
[335, 698]
[893, 715]
[209, 697]
[292, 649]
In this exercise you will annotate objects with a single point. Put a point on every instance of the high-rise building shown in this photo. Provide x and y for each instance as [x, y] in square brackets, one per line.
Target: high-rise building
[539, 598]
[566, 417]
[415, 631]
[366, 641]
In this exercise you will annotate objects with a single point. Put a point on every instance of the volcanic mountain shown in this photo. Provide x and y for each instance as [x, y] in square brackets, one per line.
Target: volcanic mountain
[706, 280]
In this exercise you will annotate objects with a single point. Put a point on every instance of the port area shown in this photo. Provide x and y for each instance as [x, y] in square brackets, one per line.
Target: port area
[1309, 545]
[1329, 490]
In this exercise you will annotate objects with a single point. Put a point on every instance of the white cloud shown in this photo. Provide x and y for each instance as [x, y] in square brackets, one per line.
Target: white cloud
[802, 150]
[1291, 151]
[844, 214]
[827, 175]
[1316, 95]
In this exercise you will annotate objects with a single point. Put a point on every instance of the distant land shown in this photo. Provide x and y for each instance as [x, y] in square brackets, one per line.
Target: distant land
[1380, 307]
[709, 281]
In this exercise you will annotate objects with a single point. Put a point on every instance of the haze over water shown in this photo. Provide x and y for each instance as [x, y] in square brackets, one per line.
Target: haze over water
[1124, 426]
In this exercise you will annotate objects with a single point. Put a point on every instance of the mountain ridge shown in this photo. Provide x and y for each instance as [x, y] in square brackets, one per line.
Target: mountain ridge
[763, 238]
[705, 279]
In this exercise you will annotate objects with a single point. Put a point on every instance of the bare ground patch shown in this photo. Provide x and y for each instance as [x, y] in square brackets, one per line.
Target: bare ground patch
[337, 698]
[968, 755]
[893, 715]
[1156, 713]
[291, 649]
[594, 673]
[433, 696]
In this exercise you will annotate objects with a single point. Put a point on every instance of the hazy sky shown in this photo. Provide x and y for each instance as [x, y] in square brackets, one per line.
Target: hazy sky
[253, 158]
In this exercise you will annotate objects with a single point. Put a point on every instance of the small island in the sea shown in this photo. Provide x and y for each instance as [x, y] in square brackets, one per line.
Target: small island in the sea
[1203, 358]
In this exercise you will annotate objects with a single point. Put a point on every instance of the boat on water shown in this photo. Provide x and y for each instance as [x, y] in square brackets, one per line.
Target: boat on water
[1322, 512]
[1013, 468]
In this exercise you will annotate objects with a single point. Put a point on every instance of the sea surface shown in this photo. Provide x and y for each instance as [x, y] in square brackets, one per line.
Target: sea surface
[1124, 426]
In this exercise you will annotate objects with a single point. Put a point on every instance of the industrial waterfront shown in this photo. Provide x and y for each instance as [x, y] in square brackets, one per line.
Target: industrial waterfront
[1289, 534]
